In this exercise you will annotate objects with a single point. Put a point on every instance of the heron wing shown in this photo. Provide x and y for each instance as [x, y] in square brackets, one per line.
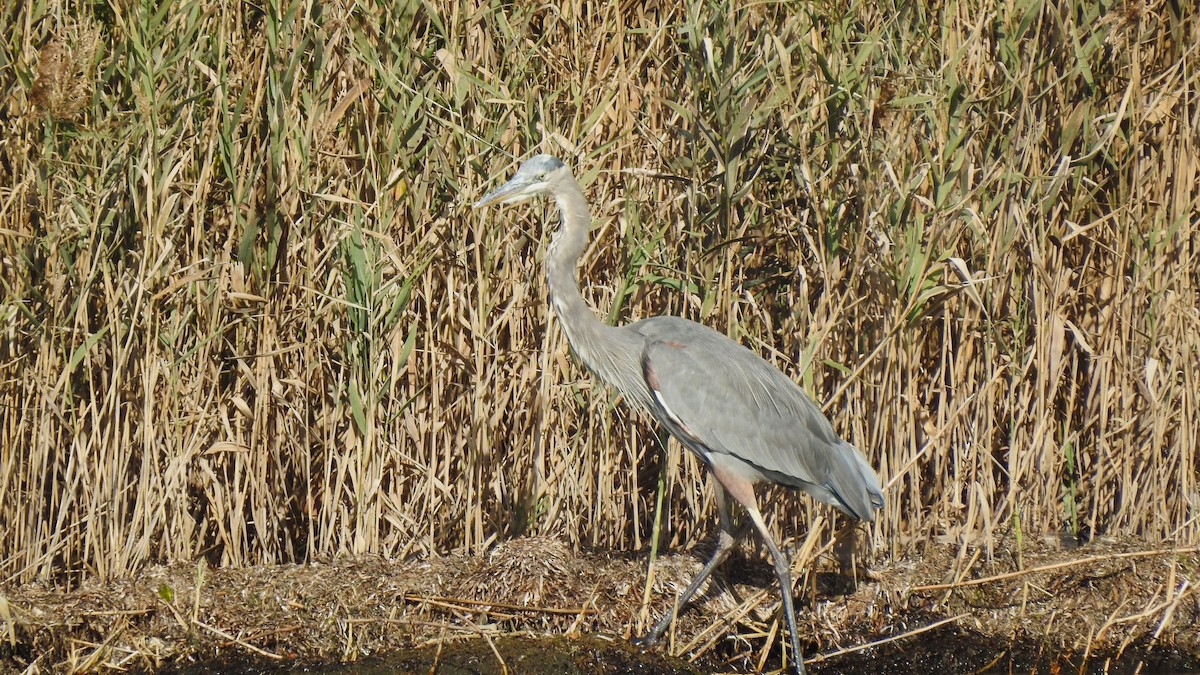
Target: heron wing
[726, 399]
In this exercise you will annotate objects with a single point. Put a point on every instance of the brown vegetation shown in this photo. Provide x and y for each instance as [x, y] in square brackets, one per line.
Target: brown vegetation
[246, 316]
[1120, 600]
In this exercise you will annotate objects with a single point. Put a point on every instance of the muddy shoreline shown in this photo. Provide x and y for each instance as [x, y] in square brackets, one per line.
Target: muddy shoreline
[1094, 605]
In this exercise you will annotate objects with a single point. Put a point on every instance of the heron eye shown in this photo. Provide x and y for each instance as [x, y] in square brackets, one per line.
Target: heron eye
[541, 176]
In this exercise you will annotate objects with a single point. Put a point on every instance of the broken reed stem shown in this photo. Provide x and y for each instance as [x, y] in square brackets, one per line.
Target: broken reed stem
[1047, 568]
[237, 641]
[452, 602]
[487, 636]
[1183, 591]
[894, 638]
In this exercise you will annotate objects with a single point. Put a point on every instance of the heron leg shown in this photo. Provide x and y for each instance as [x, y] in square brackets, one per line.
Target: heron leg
[845, 544]
[725, 541]
[742, 490]
[783, 572]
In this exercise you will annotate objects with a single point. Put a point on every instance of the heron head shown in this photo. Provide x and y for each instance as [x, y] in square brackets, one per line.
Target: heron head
[537, 176]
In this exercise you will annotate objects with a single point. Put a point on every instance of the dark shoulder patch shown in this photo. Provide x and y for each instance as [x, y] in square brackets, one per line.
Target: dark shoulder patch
[649, 374]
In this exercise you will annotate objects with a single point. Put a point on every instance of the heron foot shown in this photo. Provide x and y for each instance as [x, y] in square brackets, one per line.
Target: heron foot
[647, 640]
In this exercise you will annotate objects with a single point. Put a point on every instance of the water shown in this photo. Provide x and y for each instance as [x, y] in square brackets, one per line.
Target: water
[947, 651]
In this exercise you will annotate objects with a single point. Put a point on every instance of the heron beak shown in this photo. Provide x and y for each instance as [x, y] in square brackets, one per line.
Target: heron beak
[513, 191]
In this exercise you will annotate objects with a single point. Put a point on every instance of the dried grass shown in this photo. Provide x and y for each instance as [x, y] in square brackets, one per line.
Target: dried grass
[351, 609]
[247, 316]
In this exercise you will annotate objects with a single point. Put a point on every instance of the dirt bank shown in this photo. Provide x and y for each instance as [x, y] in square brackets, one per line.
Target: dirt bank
[1106, 597]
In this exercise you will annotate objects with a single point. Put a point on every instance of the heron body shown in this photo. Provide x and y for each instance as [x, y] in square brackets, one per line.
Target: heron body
[744, 418]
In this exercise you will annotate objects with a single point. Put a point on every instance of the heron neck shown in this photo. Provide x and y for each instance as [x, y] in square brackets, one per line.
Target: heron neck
[576, 317]
[601, 347]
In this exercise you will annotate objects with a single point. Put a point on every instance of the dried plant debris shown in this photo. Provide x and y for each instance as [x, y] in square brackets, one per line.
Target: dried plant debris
[1103, 598]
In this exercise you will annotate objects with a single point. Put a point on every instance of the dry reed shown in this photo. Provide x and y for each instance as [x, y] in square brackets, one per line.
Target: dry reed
[248, 317]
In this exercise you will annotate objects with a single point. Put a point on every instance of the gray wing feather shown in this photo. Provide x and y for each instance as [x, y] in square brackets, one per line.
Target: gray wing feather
[733, 402]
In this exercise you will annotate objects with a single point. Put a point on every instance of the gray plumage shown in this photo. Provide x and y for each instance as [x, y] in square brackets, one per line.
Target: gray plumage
[744, 418]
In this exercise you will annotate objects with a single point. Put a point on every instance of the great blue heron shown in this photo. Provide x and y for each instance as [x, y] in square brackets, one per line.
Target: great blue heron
[744, 418]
